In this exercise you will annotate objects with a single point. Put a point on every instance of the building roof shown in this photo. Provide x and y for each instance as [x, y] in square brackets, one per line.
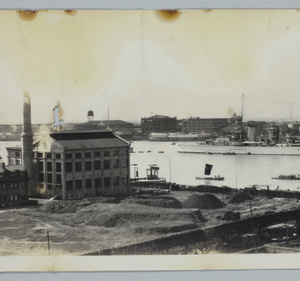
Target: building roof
[15, 168]
[88, 139]
[14, 148]
[105, 122]
[159, 117]
[93, 143]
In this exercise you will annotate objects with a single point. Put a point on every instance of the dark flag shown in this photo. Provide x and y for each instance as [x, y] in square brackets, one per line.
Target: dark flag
[207, 170]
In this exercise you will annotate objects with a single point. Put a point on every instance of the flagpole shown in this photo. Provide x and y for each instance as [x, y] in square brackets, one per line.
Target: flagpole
[170, 170]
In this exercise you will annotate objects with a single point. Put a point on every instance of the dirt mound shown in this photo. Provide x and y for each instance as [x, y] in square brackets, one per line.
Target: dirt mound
[53, 206]
[72, 206]
[239, 197]
[206, 201]
[154, 201]
[231, 216]
[134, 216]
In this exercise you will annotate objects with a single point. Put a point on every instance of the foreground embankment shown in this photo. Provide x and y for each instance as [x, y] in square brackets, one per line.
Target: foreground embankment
[226, 237]
[144, 223]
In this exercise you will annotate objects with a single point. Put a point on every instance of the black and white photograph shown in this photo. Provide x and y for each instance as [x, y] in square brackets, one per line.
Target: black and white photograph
[150, 133]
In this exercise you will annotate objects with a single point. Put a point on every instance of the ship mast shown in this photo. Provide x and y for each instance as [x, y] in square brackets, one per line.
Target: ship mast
[240, 120]
[242, 111]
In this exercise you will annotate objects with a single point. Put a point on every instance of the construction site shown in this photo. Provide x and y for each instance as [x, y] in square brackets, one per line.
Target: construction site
[153, 222]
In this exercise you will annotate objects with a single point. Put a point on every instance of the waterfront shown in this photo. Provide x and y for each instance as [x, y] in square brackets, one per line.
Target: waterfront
[182, 168]
[239, 170]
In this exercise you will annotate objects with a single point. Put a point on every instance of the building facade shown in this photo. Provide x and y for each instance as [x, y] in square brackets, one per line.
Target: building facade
[79, 164]
[13, 184]
[159, 124]
[204, 125]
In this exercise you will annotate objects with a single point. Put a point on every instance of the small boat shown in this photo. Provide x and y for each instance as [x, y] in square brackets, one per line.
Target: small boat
[161, 152]
[207, 176]
[287, 177]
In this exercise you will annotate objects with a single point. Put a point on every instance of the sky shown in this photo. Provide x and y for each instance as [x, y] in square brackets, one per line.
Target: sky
[138, 63]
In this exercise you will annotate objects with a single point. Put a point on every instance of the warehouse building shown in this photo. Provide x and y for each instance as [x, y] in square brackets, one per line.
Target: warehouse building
[78, 164]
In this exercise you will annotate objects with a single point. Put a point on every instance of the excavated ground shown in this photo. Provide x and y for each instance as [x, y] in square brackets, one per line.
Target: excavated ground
[80, 227]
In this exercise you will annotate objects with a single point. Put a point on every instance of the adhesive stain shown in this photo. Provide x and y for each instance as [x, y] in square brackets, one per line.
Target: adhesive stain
[27, 15]
[168, 15]
[206, 11]
[230, 111]
[70, 12]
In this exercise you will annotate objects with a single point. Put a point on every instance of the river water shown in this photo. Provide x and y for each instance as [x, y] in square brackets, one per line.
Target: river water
[182, 168]
[239, 170]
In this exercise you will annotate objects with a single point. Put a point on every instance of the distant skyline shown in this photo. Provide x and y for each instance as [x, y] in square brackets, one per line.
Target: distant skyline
[138, 63]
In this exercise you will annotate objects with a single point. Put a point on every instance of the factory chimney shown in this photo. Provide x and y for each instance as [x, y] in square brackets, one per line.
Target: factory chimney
[27, 139]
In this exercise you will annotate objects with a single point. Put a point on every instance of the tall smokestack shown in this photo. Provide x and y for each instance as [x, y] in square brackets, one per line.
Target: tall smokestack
[27, 139]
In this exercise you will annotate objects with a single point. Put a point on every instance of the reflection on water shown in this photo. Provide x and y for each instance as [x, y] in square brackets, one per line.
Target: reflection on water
[239, 170]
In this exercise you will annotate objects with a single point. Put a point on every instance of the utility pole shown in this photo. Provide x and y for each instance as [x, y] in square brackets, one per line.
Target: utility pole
[253, 231]
[48, 236]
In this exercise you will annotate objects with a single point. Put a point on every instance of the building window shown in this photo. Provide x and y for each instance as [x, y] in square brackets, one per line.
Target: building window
[106, 164]
[116, 164]
[41, 177]
[49, 186]
[78, 184]
[49, 155]
[18, 154]
[49, 178]
[58, 179]
[18, 162]
[88, 155]
[78, 167]
[88, 165]
[88, 183]
[41, 166]
[124, 181]
[107, 182]
[97, 154]
[106, 153]
[69, 156]
[124, 162]
[58, 167]
[69, 185]
[97, 182]
[58, 156]
[69, 167]
[97, 165]
[115, 152]
[116, 181]
[40, 155]
[78, 155]
[49, 166]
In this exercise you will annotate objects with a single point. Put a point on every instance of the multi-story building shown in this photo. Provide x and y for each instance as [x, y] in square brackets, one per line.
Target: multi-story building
[159, 124]
[78, 164]
[14, 155]
[13, 184]
[204, 125]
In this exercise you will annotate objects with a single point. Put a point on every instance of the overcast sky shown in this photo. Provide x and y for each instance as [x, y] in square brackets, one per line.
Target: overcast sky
[195, 63]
